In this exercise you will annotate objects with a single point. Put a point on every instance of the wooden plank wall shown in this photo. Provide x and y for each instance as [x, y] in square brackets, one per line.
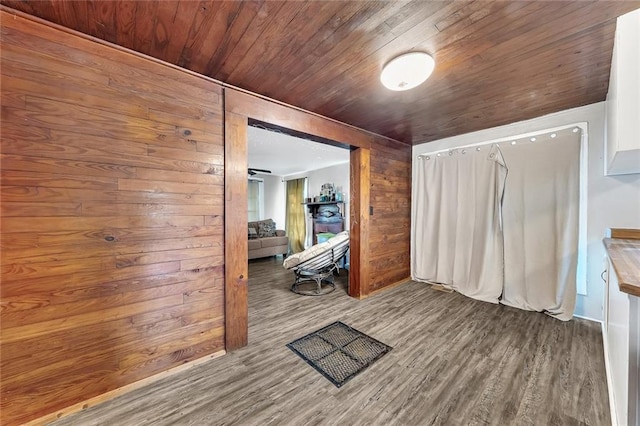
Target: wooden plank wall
[112, 219]
[390, 225]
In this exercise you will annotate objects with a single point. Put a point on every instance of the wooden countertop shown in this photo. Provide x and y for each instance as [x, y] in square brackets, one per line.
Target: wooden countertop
[625, 257]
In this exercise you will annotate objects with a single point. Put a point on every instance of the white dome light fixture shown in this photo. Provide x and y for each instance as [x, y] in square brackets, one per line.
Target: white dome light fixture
[407, 71]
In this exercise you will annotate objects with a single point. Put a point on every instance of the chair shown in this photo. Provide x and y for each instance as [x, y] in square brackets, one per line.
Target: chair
[318, 264]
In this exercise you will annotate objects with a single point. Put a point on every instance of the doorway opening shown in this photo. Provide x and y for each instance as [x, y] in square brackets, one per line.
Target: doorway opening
[241, 110]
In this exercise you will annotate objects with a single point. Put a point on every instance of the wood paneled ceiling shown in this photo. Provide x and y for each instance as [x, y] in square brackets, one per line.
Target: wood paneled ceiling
[497, 62]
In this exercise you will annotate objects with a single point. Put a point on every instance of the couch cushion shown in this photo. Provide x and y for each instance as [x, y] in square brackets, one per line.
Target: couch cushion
[255, 244]
[274, 241]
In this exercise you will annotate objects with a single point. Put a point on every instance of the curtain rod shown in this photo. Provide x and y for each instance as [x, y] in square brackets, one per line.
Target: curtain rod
[580, 125]
[287, 180]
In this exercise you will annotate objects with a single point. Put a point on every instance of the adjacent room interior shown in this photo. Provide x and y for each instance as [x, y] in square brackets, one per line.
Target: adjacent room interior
[298, 197]
[273, 212]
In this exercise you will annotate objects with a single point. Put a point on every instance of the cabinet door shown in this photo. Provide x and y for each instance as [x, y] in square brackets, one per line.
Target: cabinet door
[605, 277]
[617, 333]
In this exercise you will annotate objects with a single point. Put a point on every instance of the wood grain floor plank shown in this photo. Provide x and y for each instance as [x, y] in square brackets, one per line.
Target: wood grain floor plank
[456, 361]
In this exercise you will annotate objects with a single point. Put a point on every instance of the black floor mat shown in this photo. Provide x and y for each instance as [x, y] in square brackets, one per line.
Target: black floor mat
[339, 352]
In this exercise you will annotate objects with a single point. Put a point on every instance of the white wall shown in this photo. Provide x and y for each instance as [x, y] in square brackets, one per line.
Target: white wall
[274, 199]
[612, 201]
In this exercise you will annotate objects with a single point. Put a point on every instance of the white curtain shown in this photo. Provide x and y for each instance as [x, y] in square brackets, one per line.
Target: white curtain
[457, 235]
[492, 234]
[540, 219]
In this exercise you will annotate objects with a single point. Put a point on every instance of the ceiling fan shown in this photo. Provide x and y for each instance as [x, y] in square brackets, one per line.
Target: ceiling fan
[253, 171]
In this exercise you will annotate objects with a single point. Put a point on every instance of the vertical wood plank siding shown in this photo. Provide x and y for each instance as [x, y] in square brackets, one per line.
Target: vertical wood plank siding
[390, 224]
[236, 241]
[359, 178]
[112, 219]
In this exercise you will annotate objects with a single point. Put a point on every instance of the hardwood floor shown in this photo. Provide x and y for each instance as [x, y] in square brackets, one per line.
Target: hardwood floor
[456, 361]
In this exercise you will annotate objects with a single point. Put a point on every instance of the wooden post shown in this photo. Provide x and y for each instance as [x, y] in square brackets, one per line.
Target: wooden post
[359, 219]
[235, 232]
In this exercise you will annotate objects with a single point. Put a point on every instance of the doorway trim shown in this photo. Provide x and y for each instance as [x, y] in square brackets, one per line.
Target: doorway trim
[239, 107]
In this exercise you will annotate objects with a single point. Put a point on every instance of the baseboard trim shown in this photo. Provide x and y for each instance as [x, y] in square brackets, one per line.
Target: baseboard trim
[587, 318]
[388, 287]
[607, 369]
[120, 391]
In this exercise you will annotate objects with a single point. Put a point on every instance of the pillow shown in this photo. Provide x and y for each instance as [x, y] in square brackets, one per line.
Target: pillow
[253, 234]
[266, 228]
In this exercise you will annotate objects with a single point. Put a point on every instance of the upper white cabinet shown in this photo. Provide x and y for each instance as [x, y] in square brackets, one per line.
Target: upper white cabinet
[622, 154]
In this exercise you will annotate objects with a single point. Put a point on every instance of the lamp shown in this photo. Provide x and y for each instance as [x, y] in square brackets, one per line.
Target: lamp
[407, 71]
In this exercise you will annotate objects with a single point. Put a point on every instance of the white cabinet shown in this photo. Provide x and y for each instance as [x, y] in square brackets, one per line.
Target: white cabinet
[622, 153]
[622, 336]
[634, 361]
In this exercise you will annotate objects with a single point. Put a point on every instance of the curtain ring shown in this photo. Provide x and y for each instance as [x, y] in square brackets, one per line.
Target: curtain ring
[428, 157]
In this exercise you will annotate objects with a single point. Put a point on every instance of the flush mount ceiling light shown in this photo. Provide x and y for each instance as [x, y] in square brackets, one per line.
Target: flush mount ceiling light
[407, 71]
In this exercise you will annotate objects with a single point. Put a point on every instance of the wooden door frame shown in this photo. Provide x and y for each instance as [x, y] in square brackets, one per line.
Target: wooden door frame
[239, 108]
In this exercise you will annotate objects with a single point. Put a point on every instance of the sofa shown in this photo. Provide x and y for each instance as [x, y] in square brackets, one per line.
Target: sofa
[265, 240]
